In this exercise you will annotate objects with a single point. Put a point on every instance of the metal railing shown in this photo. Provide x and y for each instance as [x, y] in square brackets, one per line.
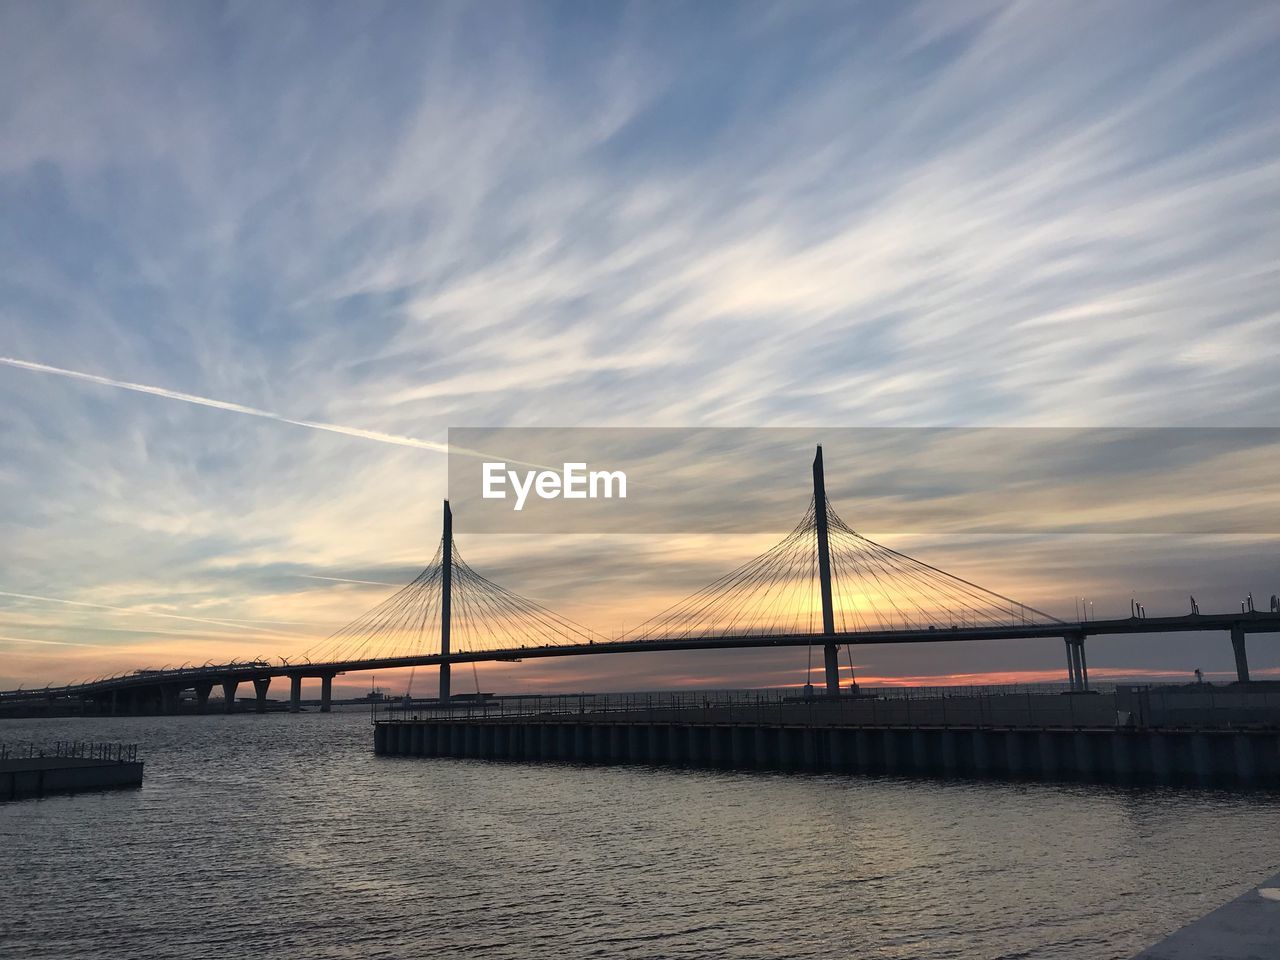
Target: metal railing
[980, 690]
[134, 677]
[521, 705]
[998, 706]
[71, 749]
[567, 703]
[1198, 705]
[1039, 706]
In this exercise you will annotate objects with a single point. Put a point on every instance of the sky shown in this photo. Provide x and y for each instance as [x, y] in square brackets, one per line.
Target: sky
[257, 259]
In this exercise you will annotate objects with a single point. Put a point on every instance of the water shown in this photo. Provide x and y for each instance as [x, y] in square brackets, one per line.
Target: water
[283, 836]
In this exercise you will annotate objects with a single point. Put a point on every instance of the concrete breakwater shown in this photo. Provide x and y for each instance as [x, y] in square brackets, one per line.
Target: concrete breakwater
[1109, 754]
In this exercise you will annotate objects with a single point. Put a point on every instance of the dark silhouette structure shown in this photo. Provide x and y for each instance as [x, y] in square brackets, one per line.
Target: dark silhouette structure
[823, 585]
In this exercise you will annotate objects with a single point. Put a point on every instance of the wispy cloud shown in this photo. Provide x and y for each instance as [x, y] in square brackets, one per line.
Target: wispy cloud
[912, 214]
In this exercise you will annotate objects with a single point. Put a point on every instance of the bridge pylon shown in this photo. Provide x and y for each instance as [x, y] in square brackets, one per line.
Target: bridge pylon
[446, 599]
[830, 652]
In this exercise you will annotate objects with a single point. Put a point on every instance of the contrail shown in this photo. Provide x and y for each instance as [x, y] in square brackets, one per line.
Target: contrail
[230, 407]
[147, 613]
[372, 583]
[288, 623]
[55, 643]
[175, 630]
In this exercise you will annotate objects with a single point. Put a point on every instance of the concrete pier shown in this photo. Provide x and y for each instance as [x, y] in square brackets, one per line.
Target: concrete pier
[1239, 650]
[1246, 928]
[326, 693]
[260, 687]
[1107, 754]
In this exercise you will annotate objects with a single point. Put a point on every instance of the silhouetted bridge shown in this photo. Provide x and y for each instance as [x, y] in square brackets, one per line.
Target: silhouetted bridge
[823, 585]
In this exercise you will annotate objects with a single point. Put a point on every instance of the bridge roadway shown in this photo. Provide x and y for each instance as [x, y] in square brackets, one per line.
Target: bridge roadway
[163, 687]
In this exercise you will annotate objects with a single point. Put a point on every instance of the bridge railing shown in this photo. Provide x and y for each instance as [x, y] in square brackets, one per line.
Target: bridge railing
[134, 677]
[70, 749]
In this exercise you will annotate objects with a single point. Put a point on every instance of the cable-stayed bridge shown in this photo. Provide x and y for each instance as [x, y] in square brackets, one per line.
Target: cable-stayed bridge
[824, 584]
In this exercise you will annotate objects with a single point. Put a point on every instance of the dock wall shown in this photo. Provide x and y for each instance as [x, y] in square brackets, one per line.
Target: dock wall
[1109, 754]
[41, 777]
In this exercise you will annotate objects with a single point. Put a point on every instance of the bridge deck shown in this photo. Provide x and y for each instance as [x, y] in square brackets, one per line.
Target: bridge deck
[189, 677]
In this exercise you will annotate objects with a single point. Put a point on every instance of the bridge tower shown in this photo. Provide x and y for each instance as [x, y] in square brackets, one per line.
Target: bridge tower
[446, 590]
[830, 653]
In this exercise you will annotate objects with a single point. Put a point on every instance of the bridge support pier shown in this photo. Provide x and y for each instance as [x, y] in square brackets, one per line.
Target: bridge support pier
[229, 695]
[1237, 647]
[831, 659]
[295, 693]
[260, 686]
[203, 689]
[326, 693]
[169, 698]
[1077, 669]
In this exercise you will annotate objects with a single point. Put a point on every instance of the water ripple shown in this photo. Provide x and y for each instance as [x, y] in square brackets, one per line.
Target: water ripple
[285, 837]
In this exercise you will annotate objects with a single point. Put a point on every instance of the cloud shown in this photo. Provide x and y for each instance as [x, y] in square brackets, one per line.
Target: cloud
[418, 217]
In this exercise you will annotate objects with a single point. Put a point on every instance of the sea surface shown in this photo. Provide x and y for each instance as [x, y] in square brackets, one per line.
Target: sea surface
[284, 836]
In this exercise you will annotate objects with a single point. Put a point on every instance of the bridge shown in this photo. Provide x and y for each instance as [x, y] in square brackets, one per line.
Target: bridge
[824, 585]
